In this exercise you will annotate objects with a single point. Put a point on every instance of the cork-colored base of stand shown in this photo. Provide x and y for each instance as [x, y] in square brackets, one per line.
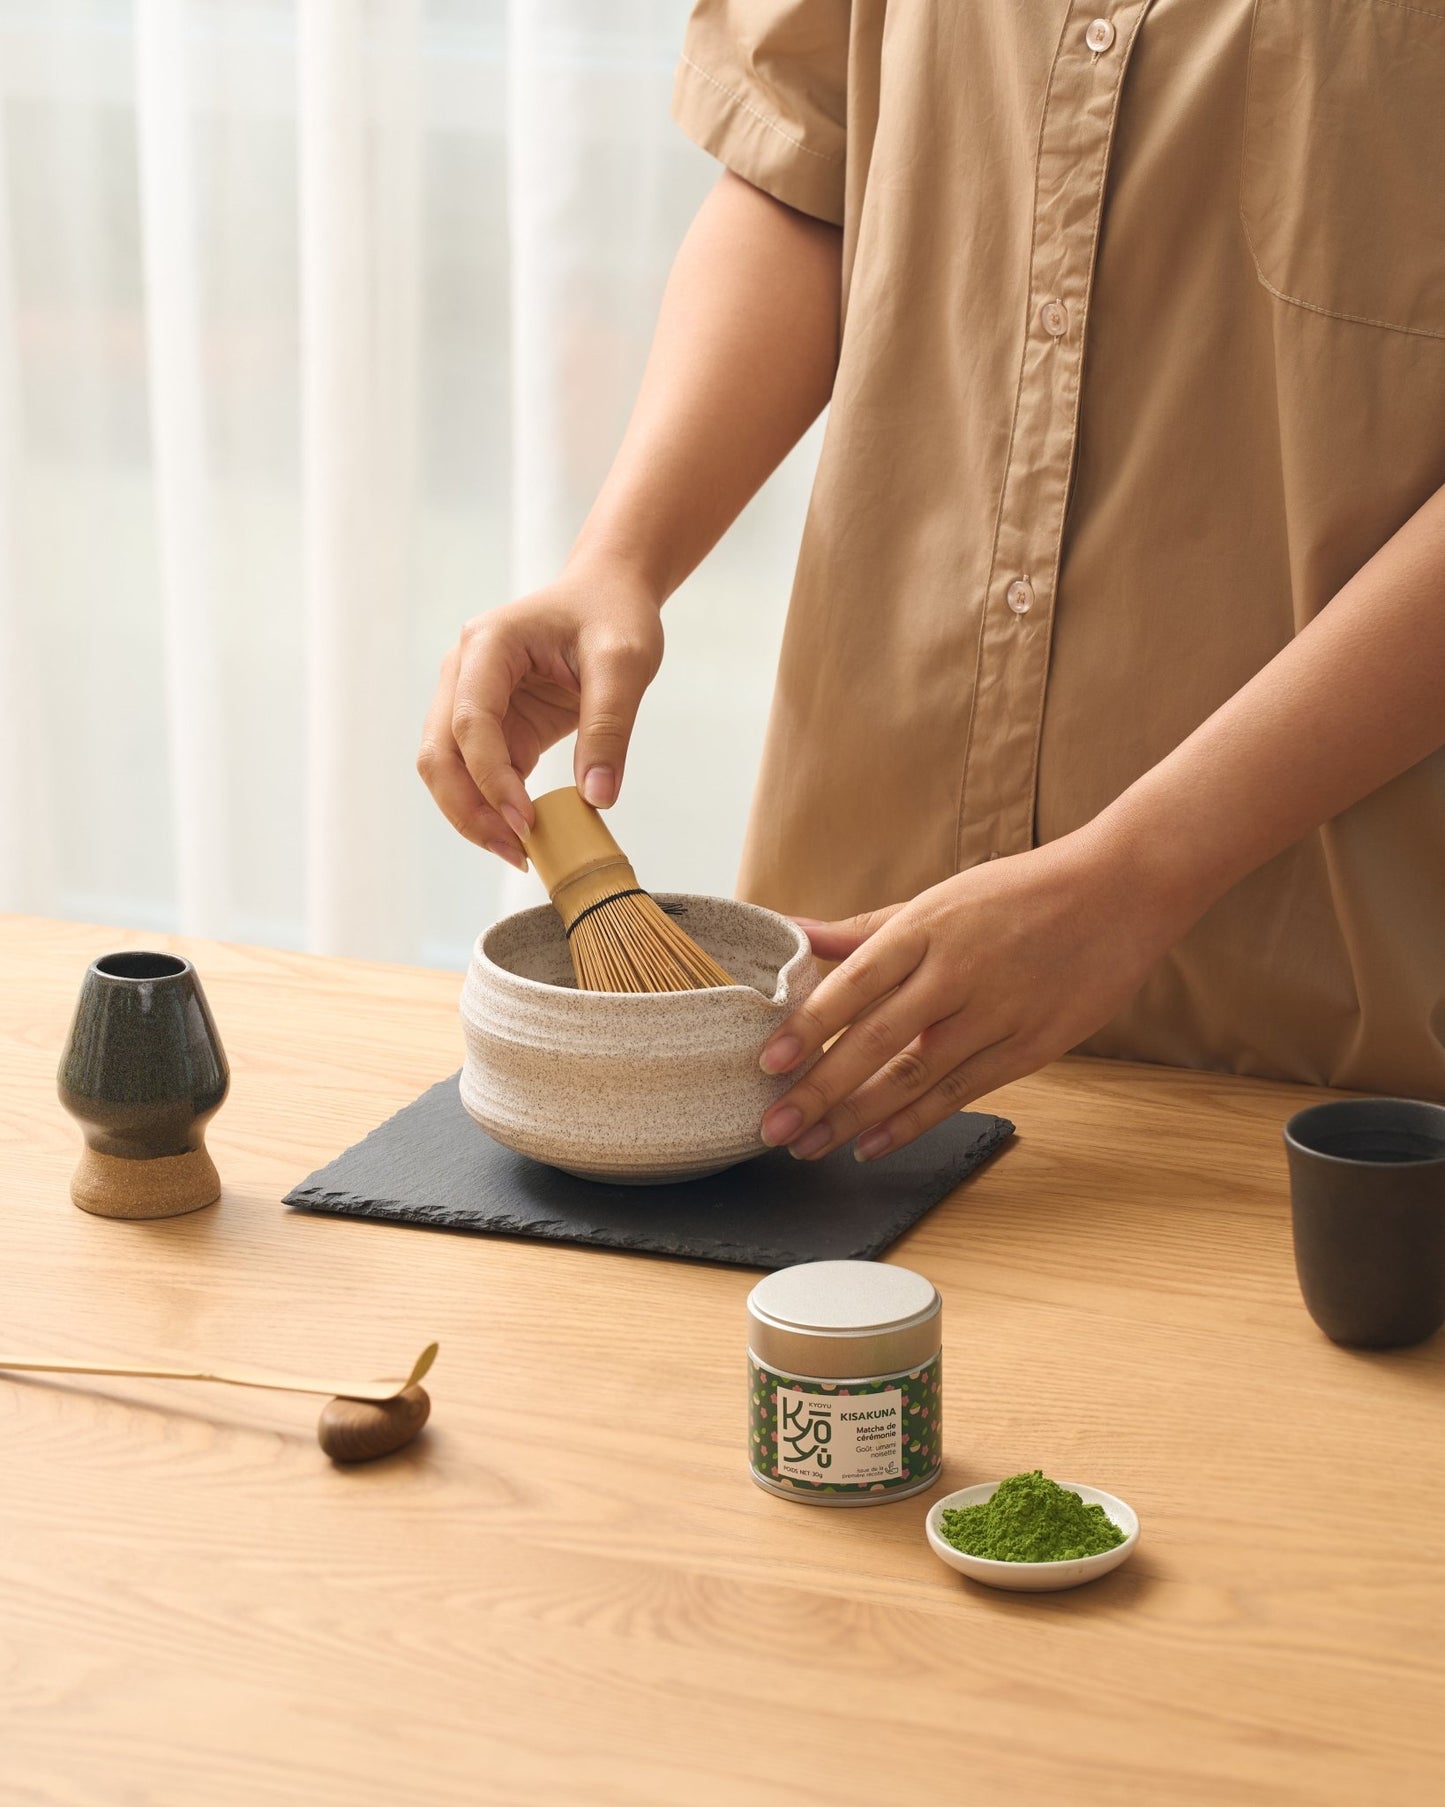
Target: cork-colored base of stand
[108, 1185]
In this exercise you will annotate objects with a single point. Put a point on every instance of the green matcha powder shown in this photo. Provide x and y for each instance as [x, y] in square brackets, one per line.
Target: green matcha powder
[1031, 1519]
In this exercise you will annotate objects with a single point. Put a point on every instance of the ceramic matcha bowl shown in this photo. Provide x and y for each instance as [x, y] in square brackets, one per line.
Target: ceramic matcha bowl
[633, 1088]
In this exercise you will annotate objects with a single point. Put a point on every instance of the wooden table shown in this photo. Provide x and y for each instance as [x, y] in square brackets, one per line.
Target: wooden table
[568, 1591]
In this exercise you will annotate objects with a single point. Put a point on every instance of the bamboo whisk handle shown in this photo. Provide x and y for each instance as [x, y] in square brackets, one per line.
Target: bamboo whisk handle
[575, 855]
[619, 937]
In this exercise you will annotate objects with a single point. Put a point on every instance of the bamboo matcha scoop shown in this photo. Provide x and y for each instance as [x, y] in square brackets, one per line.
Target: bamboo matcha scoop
[367, 1418]
[620, 939]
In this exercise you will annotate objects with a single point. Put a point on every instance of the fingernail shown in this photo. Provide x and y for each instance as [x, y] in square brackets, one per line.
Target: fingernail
[780, 1055]
[599, 785]
[509, 854]
[816, 1140]
[875, 1143]
[515, 820]
[779, 1125]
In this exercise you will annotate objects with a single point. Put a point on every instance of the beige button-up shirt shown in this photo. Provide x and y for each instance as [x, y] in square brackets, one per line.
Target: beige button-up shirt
[1143, 356]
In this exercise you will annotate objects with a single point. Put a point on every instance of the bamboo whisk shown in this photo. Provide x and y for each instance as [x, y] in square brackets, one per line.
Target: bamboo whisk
[619, 938]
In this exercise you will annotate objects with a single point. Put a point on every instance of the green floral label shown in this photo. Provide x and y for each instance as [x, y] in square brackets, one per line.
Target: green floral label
[862, 1436]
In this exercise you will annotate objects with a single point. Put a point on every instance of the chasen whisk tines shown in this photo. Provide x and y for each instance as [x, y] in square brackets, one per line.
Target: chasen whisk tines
[620, 938]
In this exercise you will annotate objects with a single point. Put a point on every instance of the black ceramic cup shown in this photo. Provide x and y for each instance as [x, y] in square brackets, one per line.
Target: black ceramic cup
[1367, 1187]
[143, 1072]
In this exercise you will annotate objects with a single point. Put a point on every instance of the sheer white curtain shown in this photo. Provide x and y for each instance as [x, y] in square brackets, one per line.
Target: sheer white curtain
[319, 320]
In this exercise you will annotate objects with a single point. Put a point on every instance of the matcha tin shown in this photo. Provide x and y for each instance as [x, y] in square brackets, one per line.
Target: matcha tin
[844, 1384]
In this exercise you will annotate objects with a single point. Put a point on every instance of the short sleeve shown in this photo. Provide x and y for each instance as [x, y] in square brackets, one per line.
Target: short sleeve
[762, 86]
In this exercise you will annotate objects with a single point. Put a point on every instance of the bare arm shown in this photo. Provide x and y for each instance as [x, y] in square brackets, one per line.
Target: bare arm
[741, 364]
[1354, 700]
[992, 973]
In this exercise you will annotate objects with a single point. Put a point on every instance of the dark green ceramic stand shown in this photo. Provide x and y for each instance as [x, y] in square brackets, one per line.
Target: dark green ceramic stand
[143, 1072]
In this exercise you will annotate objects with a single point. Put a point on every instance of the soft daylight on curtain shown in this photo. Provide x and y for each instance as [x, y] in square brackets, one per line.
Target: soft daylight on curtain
[318, 326]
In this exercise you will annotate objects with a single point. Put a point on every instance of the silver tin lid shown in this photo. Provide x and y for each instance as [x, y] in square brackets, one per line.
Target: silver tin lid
[844, 1320]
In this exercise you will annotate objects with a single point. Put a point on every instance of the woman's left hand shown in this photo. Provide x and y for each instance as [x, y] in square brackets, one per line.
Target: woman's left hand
[976, 982]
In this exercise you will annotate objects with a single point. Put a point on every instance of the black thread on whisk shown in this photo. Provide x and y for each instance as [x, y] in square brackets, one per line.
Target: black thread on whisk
[582, 915]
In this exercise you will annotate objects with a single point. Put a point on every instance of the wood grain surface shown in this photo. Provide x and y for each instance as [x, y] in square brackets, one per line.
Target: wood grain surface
[568, 1591]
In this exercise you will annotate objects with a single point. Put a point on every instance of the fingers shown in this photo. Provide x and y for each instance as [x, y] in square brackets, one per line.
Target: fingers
[613, 676]
[925, 1063]
[981, 1073]
[878, 1039]
[938, 1073]
[440, 764]
[836, 940]
[880, 963]
[916, 1068]
[493, 661]
[457, 798]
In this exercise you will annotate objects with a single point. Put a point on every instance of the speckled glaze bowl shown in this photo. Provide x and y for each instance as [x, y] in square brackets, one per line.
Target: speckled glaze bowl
[637, 1089]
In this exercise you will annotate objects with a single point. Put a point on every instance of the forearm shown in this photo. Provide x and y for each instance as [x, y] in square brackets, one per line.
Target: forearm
[741, 364]
[1354, 700]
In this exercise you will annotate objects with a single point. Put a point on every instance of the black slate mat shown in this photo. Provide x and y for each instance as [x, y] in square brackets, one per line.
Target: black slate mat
[430, 1164]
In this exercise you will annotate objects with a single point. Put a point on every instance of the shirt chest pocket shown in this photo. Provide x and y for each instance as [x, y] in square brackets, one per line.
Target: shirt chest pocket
[1342, 191]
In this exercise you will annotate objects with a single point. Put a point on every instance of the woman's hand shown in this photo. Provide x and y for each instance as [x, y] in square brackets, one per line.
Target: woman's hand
[978, 981]
[578, 654]
[741, 364]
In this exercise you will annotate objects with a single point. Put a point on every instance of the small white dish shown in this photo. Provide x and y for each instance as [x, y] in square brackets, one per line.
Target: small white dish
[1032, 1577]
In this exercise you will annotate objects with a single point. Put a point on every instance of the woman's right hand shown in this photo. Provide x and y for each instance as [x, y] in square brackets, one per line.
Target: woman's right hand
[577, 654]
[741, 363]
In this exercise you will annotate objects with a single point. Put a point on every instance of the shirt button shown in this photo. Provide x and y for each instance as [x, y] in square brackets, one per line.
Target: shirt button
[1020, 596]
[1100, 36]
[1055, 318]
